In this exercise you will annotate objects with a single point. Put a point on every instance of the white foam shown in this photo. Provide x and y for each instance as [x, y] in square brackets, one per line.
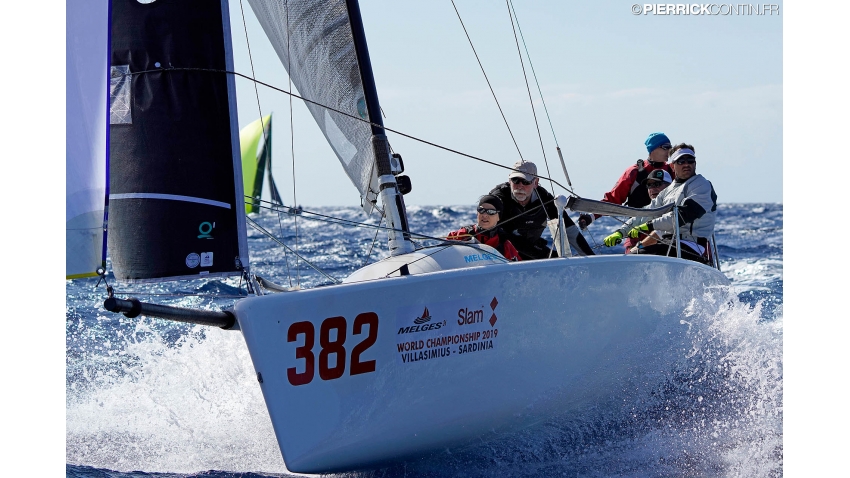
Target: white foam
[184, 408]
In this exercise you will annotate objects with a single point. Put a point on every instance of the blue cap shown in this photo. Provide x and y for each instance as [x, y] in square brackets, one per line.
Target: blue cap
[655, 140]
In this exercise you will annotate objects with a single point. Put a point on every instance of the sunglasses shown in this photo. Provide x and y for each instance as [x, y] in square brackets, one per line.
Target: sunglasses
[520, 181]
[654, 184]
[685, 161]
[489, 212]
[666, 147]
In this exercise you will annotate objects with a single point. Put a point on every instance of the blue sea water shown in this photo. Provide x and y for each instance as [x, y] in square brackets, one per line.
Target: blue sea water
[147, 397]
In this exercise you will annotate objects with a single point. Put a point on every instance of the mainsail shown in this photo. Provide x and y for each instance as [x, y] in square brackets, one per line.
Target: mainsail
[86, 55]
[313, 40]
[255, 141]
[176, 197]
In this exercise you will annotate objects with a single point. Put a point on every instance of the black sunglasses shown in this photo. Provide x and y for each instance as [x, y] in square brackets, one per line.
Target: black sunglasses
[520, 181]
[489, 212]
[685, 161]
[666, 147]
[654, 184]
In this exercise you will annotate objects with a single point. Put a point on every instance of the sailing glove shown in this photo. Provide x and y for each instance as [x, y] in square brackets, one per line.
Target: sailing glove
[644, 229]
[613, 239]
[584, 220]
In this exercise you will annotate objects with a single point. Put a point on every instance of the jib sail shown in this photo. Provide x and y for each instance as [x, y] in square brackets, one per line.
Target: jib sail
[314, 41]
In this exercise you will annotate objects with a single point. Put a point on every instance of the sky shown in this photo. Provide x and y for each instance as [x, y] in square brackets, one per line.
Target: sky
[608, 77]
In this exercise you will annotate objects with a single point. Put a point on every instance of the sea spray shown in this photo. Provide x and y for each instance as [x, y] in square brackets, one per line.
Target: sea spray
[714, 411]
[190, 405]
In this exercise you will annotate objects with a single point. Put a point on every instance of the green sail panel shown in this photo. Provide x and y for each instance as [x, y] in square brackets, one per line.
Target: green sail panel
[255, 141]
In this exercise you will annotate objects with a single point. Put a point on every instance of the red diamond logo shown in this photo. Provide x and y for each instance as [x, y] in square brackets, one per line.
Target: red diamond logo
[494, 303]
[493, 320]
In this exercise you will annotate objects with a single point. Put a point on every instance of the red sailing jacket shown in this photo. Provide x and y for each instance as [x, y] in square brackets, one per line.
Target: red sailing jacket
[628, 190]
[491, 238]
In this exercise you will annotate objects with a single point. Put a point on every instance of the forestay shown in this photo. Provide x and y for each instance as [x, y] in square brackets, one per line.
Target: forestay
[314, 41]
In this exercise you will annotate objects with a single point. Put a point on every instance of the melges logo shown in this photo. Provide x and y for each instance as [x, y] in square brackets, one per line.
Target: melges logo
[422, 324]
[424, 318]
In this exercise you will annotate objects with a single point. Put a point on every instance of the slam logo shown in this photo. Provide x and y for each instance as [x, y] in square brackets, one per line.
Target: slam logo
[424, 318]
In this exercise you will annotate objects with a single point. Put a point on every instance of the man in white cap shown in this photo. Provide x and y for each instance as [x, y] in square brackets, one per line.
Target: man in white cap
[697, 202]
[527, 207]
[629, 190]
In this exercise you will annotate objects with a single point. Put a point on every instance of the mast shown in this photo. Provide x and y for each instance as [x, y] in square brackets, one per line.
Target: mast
[391, 197]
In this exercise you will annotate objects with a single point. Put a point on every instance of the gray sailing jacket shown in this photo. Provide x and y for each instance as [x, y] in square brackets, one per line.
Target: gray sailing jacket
[697, 203]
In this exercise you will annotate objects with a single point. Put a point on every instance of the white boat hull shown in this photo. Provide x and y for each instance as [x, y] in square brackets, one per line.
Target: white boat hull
[516, 343]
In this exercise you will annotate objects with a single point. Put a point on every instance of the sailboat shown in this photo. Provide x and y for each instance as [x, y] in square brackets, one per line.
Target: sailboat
[255, 142]
[430, 348]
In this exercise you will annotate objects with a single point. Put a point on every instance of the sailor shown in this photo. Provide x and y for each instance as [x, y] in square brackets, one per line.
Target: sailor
[697, 202]
[527, 208]
[656, 182]
[629, 190]
[487, 230]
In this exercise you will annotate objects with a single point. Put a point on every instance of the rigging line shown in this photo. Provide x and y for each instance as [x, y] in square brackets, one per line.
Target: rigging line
[539, 90]
[488, 81]
[374, 240]
[528, 88]
[534, 74]
[292, 141]
[340, 221]
[253, 74]
[286, 254]
[414, 138]
[271, 236]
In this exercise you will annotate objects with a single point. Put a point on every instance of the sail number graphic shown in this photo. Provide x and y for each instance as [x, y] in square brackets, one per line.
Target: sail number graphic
[331, 347]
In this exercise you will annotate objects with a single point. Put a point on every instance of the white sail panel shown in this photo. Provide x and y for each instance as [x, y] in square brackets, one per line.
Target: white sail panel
[314, 42]
[86, 57]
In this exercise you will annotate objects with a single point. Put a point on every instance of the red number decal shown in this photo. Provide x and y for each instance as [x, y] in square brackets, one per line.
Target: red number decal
[336, 347]
[370, 319]
[305, 351]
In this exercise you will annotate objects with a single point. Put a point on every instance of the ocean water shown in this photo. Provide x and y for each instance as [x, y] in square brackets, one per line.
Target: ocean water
[147, 397]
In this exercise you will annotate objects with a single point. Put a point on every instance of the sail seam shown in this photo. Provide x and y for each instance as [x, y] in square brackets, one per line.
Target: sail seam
[169, 197]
